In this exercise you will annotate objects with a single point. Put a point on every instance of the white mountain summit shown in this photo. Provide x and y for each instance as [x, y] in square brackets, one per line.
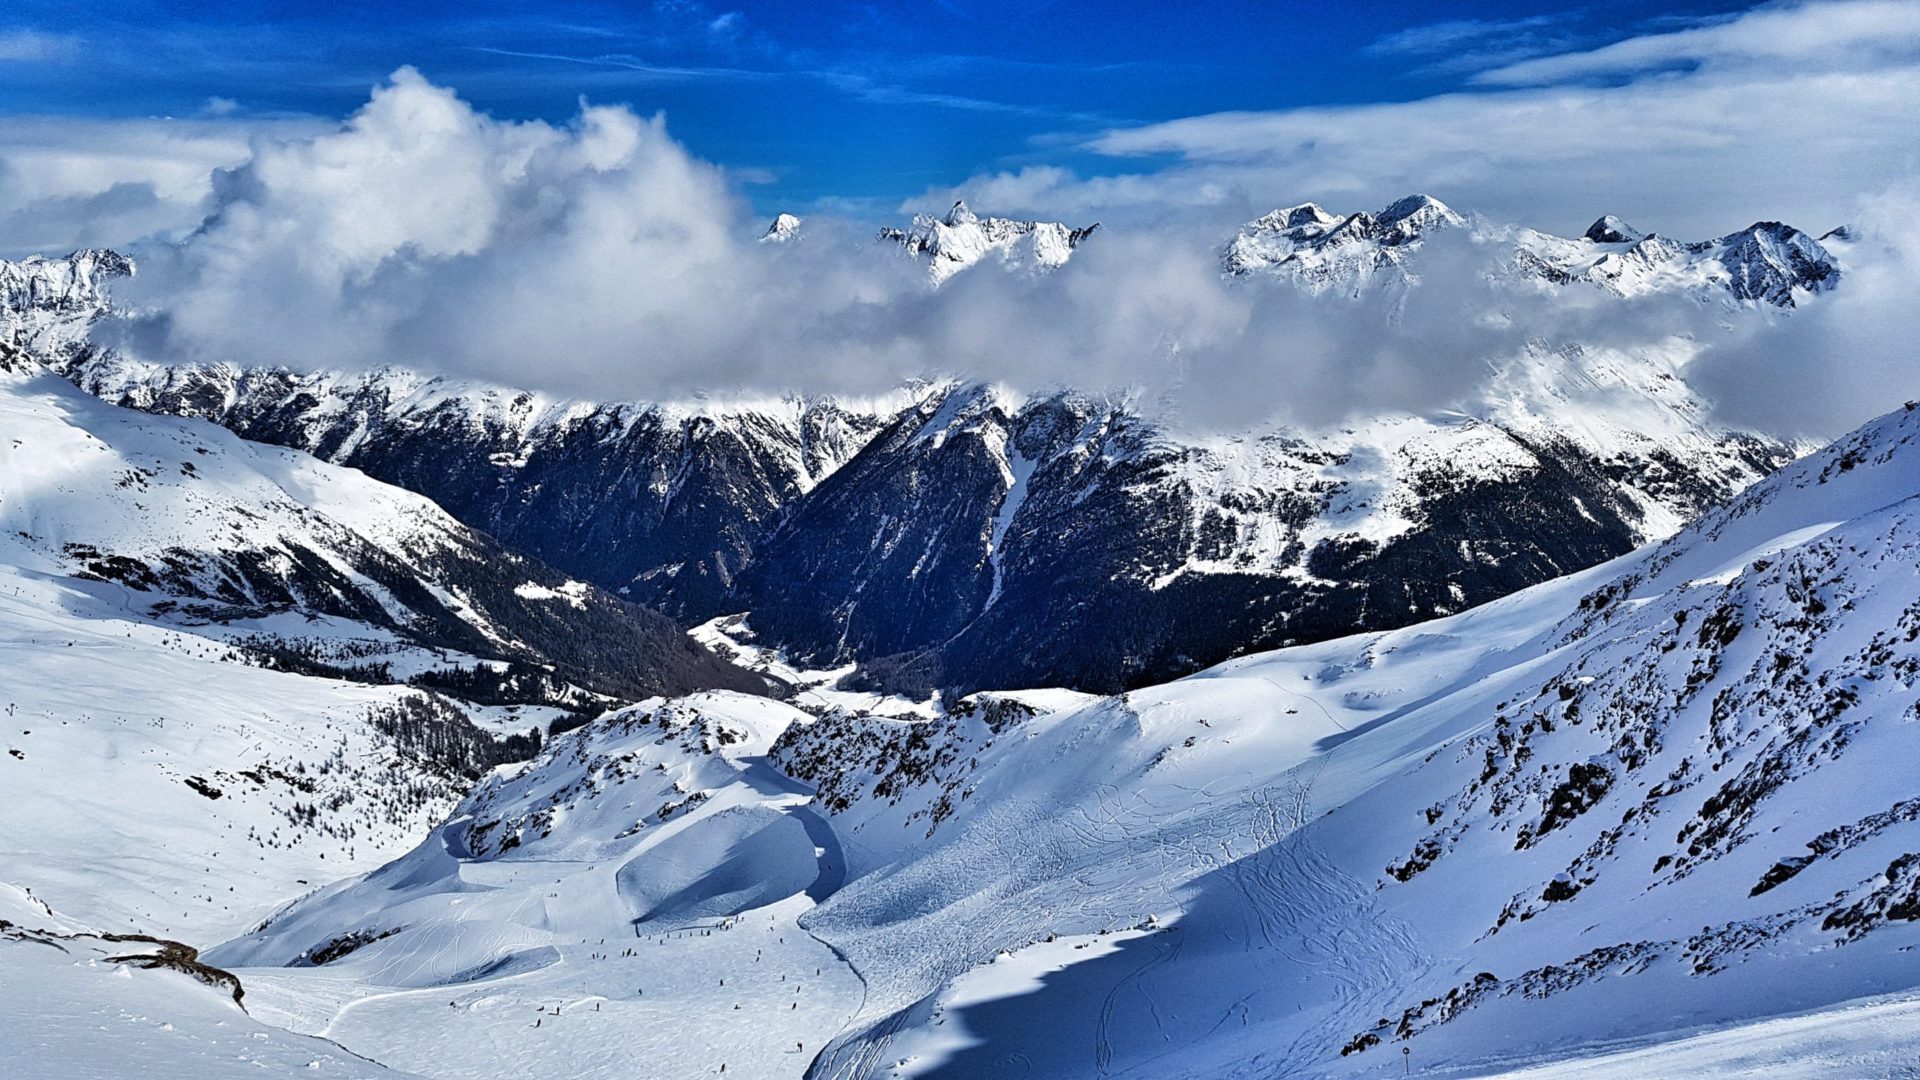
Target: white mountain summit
[784, 228]
[1322, 251]
[47, 305]
[962, 238]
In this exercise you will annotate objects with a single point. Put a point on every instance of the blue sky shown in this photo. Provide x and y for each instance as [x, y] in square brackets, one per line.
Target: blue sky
[862, 105]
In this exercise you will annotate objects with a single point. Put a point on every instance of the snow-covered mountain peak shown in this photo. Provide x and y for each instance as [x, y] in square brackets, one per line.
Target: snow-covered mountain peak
[1320, 251]
[1766, 262]
[1768, 259]
[80, 277]
[47, 305]
[1611, 230]
[785, 227]
[1294, 217]
[1419, 212]
[962, 238]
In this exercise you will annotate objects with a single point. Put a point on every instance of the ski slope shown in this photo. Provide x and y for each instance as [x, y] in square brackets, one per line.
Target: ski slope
[1328, 846]
[117, 731]
[165, 777]
[625, 905]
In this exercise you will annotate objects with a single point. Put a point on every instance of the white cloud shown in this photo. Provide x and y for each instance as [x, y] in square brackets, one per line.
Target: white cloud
[424, 230]
[1819, 110]
[599, 258]
[1832, 34]
[1461, 33]
[1478, 44]
[70, 182]
[30, 45]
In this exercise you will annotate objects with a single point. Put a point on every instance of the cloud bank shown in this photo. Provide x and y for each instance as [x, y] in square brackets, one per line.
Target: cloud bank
[599, 258]
[69, 182]
[1841, 361]
[1785, 112]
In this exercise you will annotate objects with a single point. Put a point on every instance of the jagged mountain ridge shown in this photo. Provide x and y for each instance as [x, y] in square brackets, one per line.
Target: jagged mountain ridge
[961, 239]
[1767, 262]
[197, 525]
[47, 306]
[1574, 457]
[984, 540]
[1322, 251]
[660, 504]
[1062, 517]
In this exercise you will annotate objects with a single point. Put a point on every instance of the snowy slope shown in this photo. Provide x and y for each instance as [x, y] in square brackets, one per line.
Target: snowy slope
[624, 905]
[1638, 805]
[205, 647]
[170, 594]
[156, 783]
[1877, 1036]
[1653, 797]
[201, 527]
[79, 1003]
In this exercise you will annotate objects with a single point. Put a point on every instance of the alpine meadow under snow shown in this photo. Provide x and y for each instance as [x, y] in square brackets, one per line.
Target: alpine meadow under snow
[943, 582]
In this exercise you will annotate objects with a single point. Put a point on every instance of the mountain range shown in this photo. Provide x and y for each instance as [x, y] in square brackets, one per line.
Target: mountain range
[966, 536]
[1766, 262]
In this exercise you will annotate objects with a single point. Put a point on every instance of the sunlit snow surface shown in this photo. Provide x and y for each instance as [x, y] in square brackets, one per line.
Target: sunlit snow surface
[1192, 880]
[67, 1010]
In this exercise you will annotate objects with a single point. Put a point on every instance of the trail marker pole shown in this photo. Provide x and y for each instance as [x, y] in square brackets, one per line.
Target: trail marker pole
[1406, 1059]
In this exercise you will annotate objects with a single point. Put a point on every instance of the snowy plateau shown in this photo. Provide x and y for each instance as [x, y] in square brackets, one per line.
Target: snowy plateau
[353, 727]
